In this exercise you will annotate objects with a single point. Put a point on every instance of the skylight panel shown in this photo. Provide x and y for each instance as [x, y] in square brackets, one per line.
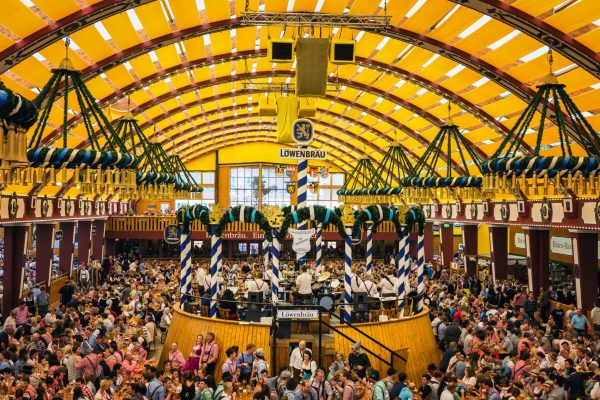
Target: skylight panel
[102, 30]
[72, 45]
[319, 5]
[487, 141]
[128, 66]
[476, 25]
[290, 5]
[396, 107]
[206, 39]
[166, 8]
[421, 92]
[432, 59]
[360, 35]
[39, 57]
[455, 70]
[565, 69]
[28, 3]
[382, 44]
[505, 94]
[135, 21]
[499, 43]
[534, 54]
[446, 17]
[415, 8]
[379, 100]
[398, 84]
[200, 5]
[596, 86]
[360, 69]
[481, 82]
[153, 56]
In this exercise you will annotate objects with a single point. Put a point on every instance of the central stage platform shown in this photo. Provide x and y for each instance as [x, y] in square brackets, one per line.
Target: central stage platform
[410, 337]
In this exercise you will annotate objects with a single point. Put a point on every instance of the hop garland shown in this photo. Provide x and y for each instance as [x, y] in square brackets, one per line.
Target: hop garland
[185, 215]
[251, 215]
[557, 165]
[288, 209]
[458, 181]
[322, 215]
[72, 158]
[377, 214]
[16, 110]
[415, 215]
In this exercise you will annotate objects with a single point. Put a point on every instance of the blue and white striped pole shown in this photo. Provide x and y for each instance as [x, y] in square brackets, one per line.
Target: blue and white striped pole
[215, 256]
[369, 245]
[401, 269]
[302, 184]
[319, 245]
[420, 272]
[185, 281]
[275, 268]
[347, 312]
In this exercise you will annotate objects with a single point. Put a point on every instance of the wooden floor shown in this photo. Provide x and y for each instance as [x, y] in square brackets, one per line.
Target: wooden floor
[411, 337]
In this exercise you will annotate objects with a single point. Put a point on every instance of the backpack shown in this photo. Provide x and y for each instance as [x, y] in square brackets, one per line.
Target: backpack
[380, 387]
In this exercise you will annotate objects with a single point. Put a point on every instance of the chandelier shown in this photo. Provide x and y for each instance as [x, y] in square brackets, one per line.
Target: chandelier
[105, 168]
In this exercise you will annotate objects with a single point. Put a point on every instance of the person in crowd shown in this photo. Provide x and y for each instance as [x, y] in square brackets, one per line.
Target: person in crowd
[358, 361]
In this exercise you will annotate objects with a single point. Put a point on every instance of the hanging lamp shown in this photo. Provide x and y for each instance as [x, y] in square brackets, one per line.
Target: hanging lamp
[425, 176]
[394, 166]
[186, 186]
[508, 170]
[105, 166]
[17, 115]
[356, 187]
[155, 176]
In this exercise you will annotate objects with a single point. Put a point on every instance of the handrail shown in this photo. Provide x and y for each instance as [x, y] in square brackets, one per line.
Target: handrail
[365, 334]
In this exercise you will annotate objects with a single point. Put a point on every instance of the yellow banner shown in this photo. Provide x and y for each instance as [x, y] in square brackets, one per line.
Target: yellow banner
[287, 113]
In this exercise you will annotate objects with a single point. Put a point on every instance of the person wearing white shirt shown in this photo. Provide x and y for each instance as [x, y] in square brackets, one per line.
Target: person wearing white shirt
[303, 285]
[256, 284]
[297, 357]
[389, 286]
[356, 282]
[368, 286]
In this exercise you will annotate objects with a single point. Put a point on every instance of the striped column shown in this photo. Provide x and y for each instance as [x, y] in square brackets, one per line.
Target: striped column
[319, 246]
[347, 312]
[265, 252]
[402, 266]
[369, 245]
[215, 257]
[185, 281]
[420, 272]
[275, 268]
[302, 184]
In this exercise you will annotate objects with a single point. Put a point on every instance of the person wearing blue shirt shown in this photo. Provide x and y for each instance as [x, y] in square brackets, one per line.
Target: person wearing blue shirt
[156, 388]
[580, 322]
[244, 361]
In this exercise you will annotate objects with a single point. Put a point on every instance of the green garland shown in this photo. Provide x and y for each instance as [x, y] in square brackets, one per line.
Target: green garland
[16, 110]
[288, 209]
[322, 215]
[251, 215]
[186, 214]
[372, 213]
[415, 215]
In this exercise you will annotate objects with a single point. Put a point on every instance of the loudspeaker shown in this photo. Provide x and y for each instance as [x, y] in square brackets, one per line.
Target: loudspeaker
[342, 52]
[307, 108]
[254, 298]
[281, 50]
[267, 106]
[360, 301]
[312, 55]
[253, 315]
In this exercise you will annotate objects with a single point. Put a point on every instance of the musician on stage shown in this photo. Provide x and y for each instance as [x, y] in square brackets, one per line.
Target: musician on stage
[389, 288]
[257, 284]
[356, 281]
[303, 286]
[369, 287]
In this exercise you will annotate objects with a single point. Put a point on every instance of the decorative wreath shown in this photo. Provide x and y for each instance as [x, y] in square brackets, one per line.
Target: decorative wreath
[313, 213]
[185, 215]
[458, 181]
[415, 215]
[16, 110]
[370, 191]
[249, 214]
[558, 165]
[377, 214]
[288, 209]
[154, 177]
[72, 158]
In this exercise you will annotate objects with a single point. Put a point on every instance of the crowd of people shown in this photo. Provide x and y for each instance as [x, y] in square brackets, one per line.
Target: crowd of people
[497, 341]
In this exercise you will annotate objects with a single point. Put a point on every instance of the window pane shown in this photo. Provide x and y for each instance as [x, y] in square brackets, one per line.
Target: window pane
[324, 194]
[208, 178]
[208, 193]
[337, 179]
[326, 181]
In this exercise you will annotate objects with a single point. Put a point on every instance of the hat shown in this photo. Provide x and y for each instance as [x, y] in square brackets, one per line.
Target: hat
[549, 382]
[260, 352]
[356, 346]
[285, 374]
